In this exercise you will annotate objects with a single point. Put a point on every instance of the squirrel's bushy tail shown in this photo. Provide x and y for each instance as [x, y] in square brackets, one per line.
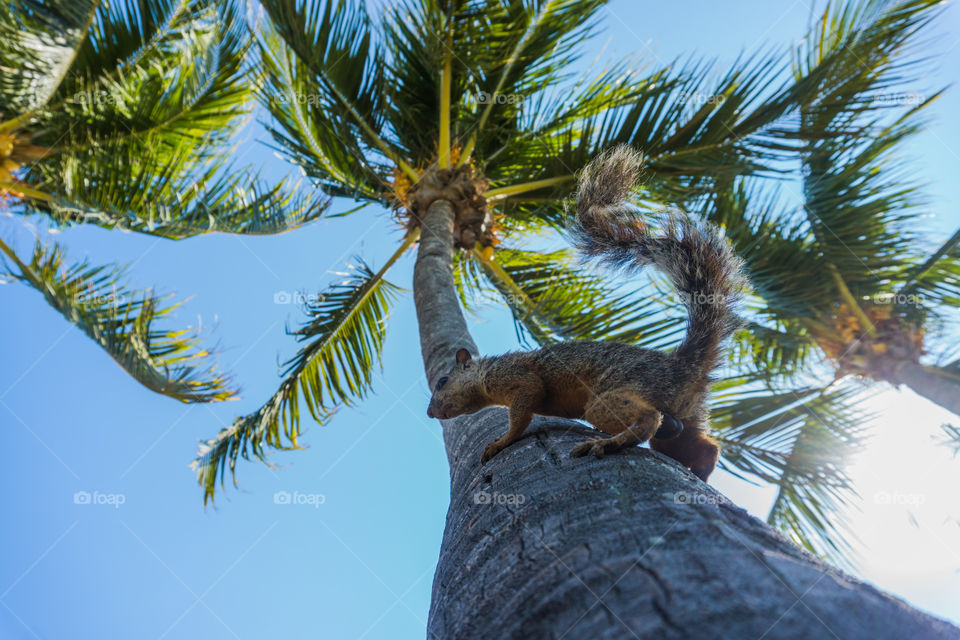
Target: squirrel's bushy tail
[697, 258]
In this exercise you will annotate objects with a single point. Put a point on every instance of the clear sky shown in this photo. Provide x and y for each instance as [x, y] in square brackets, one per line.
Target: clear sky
[359, 565]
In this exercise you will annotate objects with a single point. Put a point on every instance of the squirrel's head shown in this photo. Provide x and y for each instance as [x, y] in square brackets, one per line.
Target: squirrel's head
[458, 392]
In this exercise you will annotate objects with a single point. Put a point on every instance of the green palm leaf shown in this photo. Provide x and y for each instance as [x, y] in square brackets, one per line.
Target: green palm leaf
[121, 321]
[344, 340]
[551, 300]
[950, 437]
[511, 48]
[186, 84]
[694, 129]
[773, 351]
[305, 126]
[323, 79]
[135, 135]
[40, 40]
[857, 199]
[115, 190]
[799, 440]
[771, 239]
[937, 279]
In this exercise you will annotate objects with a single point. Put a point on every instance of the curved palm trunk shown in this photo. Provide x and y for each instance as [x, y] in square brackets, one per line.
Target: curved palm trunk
[539, 545]
[938, 386]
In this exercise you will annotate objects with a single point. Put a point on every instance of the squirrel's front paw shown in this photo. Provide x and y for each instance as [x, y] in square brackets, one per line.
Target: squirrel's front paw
[491, 450]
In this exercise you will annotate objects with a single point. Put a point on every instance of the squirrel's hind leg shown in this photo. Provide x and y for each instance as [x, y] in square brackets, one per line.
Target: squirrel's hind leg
[623, 413]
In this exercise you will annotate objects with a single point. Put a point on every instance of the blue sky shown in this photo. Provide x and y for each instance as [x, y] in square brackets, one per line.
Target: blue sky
[358, 562]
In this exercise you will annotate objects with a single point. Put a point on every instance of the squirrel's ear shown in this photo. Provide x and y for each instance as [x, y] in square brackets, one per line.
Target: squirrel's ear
[463, 356]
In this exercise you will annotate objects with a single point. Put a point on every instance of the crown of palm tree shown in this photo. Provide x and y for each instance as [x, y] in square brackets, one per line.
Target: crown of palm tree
[120, 115]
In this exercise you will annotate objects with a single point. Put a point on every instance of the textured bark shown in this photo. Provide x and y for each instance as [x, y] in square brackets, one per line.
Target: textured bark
[940, 389]
[442, 327]
[538, 545]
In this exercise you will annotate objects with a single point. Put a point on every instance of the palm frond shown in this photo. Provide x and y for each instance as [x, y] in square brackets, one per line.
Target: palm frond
[122, 321]
[552, 300]
[936, 280]
[344, 340]
[506, 49]
[858, 199]
[799, 440]
[306, 126]
[694, 127]
[950, 437]
[775, 350]
[133, 193]
[324, 84]
[556, 114]
[40, 41]
[870, 47]
[134, 136]
[186, 88]
[859, 206]
[772, 241]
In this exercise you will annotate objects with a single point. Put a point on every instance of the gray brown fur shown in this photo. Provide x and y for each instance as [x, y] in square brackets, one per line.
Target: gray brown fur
[620, 389]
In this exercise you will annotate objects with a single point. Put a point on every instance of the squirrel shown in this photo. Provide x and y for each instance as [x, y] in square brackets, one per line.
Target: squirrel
[631, 393]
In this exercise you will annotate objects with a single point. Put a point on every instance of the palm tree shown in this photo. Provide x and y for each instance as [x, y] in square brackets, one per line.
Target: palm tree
[459, 107]
[868, 296]
[349, 99]
[885, 291]
[120, 115]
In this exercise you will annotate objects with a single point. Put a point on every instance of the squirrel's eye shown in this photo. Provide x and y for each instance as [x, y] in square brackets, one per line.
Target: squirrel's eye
[442, 381]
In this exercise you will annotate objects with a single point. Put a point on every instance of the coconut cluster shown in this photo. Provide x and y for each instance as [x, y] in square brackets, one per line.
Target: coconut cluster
[464, 189]
[15, 151]
[898, 337]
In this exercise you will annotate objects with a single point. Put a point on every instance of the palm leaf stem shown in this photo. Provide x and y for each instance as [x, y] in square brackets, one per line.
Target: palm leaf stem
[496, 269]
[19, 187]
[12, 124]
[523, 187]
[851, 300]
[511, 61]
[443, 153]
[911, 281]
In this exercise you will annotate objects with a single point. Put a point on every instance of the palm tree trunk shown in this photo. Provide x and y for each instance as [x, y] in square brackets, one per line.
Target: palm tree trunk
[539, 545]
[442, 328]
[937, 385]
